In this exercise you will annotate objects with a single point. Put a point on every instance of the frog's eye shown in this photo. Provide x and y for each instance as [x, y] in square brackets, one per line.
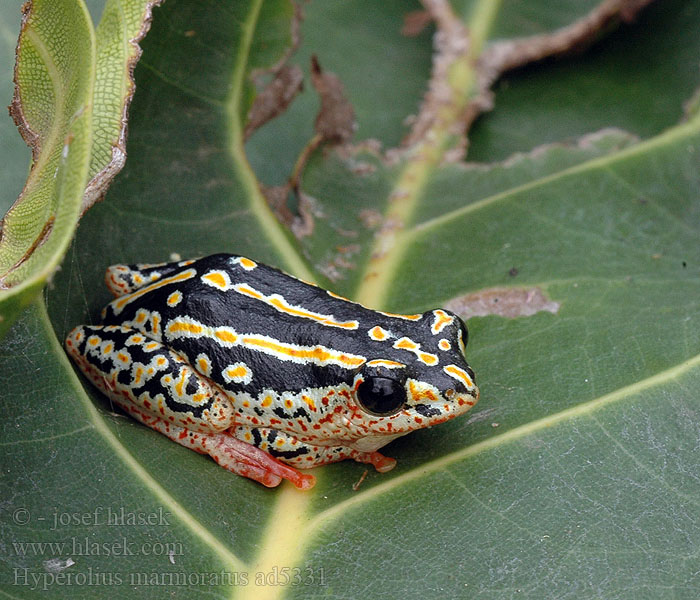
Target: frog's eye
[381, 396]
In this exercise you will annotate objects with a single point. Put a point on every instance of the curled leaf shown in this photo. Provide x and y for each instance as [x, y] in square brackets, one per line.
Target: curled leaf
[73, 87]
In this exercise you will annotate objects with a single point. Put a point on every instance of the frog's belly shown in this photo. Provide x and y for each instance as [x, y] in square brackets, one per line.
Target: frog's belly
[370, 443]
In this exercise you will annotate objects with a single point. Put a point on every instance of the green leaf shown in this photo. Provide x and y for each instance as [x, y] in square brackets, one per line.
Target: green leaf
[575, 475]
[73, 87]
[52, 107]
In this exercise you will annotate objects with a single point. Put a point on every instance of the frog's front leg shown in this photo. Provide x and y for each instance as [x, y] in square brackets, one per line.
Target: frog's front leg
[159, 388]
[302, 454]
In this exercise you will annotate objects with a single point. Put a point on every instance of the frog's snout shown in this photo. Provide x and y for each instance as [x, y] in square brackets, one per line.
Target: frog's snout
[465, 400]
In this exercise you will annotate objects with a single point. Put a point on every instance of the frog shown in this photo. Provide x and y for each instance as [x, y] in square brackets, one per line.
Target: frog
[267, 374]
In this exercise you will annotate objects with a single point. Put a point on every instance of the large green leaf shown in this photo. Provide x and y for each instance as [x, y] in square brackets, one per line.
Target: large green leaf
[575, 476]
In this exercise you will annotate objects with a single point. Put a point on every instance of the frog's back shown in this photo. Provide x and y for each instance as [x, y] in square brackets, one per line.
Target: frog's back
[238, 317]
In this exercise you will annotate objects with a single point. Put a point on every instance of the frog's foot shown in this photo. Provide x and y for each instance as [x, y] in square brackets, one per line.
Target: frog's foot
[380, 462]
[247, 460]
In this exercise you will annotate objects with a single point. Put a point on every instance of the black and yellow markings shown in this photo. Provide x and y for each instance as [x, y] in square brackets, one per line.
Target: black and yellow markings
[461, 343]
[227, 337]
[217, 279]
[174, 299]
[116, 278]
[339, 297]
[379, 334]
[459, 374]
[119, 304]
[203, 363]
[226, 340]
[278, 302]
[244, 262]
[237, 373]
[153, 378]
[441, 320]
[135, 339]
[318, 355]
[146, 321]
[408, 344]
[398, 316]
[277, 443]
[186, 327]
[389, 364]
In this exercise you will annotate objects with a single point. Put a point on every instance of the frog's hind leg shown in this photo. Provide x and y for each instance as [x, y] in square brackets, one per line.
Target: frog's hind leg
[159, 388]
[124, 279]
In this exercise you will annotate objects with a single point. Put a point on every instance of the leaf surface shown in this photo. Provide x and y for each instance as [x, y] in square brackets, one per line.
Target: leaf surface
[575, 475]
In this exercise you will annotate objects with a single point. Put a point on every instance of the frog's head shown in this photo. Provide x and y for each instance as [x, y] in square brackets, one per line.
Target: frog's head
[385, 376]
[410, 385]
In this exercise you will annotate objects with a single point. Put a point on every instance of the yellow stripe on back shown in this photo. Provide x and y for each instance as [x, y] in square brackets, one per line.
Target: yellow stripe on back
[186, 327]
[119, 304]
[280, 304]
[397, 316]
[318, 355]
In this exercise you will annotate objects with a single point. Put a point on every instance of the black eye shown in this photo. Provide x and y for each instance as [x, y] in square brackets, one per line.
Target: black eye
[381, 396]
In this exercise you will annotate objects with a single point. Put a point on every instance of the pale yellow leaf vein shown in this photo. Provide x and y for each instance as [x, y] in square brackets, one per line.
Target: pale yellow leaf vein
[671, 136]
[270, 225]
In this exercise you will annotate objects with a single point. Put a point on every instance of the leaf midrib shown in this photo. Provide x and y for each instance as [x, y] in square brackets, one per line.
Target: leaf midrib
[423, 159]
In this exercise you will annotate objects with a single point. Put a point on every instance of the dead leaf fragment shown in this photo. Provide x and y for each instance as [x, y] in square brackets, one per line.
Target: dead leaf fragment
[503, 302]
[451, 43]
[414, 22]
[276, 197]
[507, 55]
[275, 98]
[336, 119]
[301, 224]
[357, 484]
